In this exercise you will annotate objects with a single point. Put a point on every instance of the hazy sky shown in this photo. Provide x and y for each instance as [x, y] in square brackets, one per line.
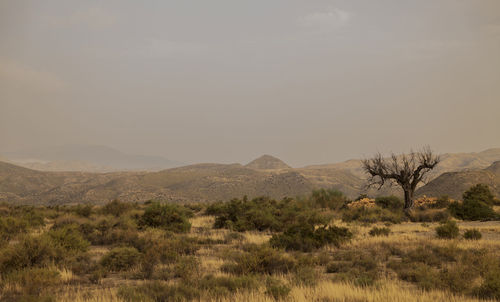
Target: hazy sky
[226, 81]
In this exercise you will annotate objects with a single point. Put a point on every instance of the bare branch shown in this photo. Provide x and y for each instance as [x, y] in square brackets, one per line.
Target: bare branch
[407, 170]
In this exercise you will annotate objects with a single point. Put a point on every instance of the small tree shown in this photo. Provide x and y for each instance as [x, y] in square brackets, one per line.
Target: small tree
[406, 170]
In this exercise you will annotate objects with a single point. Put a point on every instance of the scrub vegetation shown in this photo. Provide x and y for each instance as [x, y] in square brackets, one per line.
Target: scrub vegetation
[323, 247]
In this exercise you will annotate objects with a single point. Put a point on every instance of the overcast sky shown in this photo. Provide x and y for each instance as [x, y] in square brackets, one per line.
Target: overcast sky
[226, 81]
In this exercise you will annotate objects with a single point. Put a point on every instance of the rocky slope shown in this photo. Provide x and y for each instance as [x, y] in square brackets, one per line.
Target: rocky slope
[454, 184]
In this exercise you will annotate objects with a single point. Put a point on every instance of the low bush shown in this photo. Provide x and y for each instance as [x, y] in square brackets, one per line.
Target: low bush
[441, 203]
[116, 208]
[263, 214]
[390, 202]
[328, 198]
[69, 239]
[375, 231]
[305, 275]
[305, 237]
[169, 217]
[84, 210]
[372, 215]
[360, 267]
[277, 289]
[429, 215]
[30, 251]
[33, 281]
[490, 288]
[260, 259]
[11, 227]
[188, 270]
[157, 291]
[121, 259]
[472, 234]
[448, 230]
[221, 286]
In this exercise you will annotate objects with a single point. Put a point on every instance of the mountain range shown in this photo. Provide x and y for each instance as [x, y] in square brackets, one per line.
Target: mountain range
[86, 158]
[266, 175]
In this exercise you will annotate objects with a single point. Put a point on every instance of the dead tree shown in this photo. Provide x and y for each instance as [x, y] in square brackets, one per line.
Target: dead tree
[405, 170]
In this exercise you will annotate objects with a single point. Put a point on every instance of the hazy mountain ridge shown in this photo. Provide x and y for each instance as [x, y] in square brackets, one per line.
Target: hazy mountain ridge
[211, 182]
[267, 162]
[90, 158]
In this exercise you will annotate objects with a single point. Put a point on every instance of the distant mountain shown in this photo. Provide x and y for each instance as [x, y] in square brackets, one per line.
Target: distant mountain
[454, 184]
[196, 183]
[267, 162]
[450, 162]
[211, 182]
[86, 158]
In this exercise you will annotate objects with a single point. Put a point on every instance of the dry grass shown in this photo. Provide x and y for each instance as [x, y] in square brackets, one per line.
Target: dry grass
[388, 290]
[404, 235]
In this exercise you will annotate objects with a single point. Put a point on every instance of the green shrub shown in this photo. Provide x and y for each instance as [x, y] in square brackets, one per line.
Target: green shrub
[222, 286]
[305, 237]
[116, 208]
[188, 270]
[476, 205]
[447, 230]
[305, 275]
[84, 210]
[264, 214]
[121, 259]
[331, 199]
[29, 252]
[390, 202]
[169, 217]
[11, 227]
[472, 234]
[375, 231]
[490, 288]
[69, 238]
[441, 203]
[480, 193]
[360, 267]
[277, 289]
[33, 280]
[260, 259]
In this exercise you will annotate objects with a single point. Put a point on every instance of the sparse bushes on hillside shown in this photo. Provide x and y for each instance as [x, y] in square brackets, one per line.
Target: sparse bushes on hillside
[448, 230]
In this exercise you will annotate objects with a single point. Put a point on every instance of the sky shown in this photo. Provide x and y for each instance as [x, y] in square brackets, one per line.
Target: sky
[315, 81]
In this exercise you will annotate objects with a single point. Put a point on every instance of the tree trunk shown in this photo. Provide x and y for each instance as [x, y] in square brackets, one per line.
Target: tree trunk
[408, 200]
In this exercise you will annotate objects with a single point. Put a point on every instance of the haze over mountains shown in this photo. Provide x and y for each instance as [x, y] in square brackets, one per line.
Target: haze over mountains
[266, 175]
[88, 158]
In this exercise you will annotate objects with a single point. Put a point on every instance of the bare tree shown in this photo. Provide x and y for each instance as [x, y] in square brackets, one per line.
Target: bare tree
[405, 170]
